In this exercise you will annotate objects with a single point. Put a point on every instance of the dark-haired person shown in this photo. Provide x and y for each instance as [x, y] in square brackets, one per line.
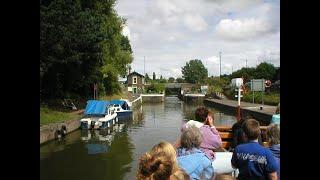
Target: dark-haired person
[253, 160]
[204, 120]
[237, 133]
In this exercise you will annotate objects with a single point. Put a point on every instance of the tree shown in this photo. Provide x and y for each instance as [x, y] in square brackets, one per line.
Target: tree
[194, 71]
[179, 80]
[246, 73]
[265, 71]
[80, 44]
[154, 76]
[147, 78]
[171, 79]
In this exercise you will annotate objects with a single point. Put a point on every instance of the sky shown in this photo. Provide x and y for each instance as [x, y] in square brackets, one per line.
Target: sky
[169, 33]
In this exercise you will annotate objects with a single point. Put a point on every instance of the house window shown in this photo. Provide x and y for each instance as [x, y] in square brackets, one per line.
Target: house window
[134, 90]
[134, 80]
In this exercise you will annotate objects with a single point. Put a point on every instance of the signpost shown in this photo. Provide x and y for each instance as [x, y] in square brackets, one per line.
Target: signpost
[238, 84]
[258, 85]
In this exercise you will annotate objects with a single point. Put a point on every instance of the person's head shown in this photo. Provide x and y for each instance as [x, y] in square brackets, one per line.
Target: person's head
[191, 138]
[154, 167]
[251, 129]
[273, 134]
[201, 114]
[169, 151]
[224, 177]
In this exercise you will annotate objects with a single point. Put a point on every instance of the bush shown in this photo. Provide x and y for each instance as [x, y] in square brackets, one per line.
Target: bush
[269, 98]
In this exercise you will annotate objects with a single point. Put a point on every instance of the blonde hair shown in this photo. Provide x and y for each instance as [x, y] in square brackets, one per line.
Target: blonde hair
[224, 177]
[160, 163]
[154, 167]
[169, 151]
[180, 175]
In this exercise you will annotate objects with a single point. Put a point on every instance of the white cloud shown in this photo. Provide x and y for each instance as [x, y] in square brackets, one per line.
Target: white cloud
[242, 29]
[214, 59]
[195, 23]
[171, 32]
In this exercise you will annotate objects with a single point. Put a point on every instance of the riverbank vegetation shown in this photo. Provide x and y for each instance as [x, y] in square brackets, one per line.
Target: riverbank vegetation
[48, 115]
[81, 44]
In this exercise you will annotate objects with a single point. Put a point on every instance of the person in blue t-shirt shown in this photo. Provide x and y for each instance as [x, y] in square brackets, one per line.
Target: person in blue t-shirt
[253, 160]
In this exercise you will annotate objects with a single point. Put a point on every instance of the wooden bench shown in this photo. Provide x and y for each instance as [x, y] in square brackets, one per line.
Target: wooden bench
[226, 135]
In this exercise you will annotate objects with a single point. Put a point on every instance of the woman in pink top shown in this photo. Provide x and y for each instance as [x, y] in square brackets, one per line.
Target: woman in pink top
[211, 138]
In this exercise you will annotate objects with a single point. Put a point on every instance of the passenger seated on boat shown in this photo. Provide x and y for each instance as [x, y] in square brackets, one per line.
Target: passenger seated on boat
[273, 135]
[163, 151]
[191, 158]
[204, 120]
[237, 133]
[253, 160]
[170, 151]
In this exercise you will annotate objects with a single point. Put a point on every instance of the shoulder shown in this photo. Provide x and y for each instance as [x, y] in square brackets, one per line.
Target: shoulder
[194, 123]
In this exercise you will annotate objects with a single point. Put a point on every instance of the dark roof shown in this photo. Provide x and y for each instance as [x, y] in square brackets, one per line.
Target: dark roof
[135, 74]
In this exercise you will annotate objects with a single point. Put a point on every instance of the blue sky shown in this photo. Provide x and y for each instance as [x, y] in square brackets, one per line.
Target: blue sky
[169, 33]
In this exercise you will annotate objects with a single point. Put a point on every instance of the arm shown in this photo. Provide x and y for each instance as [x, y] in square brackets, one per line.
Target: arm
[208, 172]
[234, 159]
[273, 176]
[218, 141]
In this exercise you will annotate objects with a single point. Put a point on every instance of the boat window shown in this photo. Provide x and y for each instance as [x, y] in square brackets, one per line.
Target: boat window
[118, 109]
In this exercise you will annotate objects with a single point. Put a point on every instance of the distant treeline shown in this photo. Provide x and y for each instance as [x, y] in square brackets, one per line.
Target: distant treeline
[81, 44]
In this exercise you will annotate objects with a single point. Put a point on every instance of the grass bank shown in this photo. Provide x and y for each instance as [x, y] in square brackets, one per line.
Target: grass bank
[48, 115]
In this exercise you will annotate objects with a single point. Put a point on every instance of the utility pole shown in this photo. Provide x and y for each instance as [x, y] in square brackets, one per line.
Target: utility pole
[144, 64]
[246, 63]
[220, 63]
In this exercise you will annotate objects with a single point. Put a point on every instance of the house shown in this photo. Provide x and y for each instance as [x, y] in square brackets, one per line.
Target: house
[135, 83]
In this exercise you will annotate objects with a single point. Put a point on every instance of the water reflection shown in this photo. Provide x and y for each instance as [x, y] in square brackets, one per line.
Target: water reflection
[113, 153]
[88, 155]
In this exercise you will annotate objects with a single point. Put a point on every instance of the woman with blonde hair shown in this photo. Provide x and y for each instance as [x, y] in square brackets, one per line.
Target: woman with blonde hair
[161, 163]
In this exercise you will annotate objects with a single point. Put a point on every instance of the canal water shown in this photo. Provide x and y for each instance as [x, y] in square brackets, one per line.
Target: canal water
[114, 153]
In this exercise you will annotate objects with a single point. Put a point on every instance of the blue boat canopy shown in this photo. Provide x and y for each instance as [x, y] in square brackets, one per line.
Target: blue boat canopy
[95, 107]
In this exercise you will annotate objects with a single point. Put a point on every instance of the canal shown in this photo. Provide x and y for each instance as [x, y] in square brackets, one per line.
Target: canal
[114, 153]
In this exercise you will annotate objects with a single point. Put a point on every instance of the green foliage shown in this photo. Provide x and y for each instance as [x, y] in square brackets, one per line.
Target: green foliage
[51, 116]
[265, 71]
[269, 98]
[194, 71]
[154, 76]
[155, 88]
[171, 80]
[179, 80]
[262, 71]
[246, 73]
[147, 78]
[80, 42]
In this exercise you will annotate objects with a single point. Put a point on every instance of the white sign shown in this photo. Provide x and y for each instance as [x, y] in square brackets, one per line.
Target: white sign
[204, 89]
[237, 82]
[257, 85]
[130, 89]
